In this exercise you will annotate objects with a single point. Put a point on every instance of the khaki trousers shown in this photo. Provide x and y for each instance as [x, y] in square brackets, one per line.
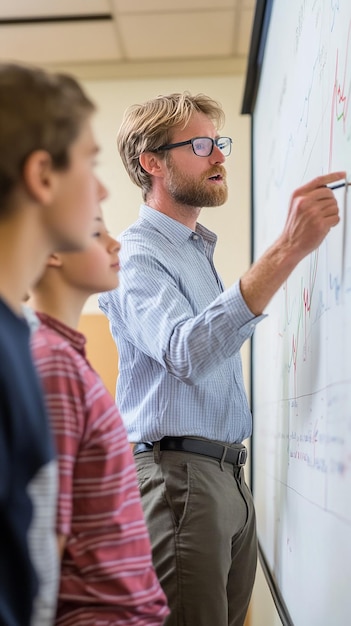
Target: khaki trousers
[201, 521]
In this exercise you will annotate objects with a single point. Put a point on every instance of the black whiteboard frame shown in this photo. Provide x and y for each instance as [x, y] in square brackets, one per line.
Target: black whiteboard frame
[274, 589]
[256, 54]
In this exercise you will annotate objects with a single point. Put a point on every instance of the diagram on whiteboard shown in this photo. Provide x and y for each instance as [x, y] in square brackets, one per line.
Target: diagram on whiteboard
[302, 351]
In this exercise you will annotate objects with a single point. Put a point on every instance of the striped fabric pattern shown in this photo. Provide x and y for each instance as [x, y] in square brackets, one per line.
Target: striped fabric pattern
[107, 575]
[178, 334]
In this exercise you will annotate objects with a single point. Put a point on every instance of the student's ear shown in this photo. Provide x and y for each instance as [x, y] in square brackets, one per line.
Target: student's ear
[38, 176]
[151, 163]
[54, 260]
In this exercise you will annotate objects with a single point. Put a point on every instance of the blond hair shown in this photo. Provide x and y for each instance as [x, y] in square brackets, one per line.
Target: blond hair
[38, 111]
[146, 127]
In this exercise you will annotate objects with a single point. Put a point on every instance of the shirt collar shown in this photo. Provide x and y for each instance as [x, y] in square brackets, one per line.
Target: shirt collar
[31, 318]
[172, 229]
[74, 337]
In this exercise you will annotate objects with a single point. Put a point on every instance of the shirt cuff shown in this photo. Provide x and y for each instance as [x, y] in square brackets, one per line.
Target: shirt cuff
[243, 318]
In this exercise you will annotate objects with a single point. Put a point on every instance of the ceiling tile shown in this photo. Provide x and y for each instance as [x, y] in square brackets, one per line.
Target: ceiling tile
[244, 33]
[140, 30]
[43, 8]
[59, 43]
[163, 6]
[180, 35]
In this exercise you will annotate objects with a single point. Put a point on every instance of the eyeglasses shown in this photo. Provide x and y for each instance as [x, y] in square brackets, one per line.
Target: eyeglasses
[203, 146]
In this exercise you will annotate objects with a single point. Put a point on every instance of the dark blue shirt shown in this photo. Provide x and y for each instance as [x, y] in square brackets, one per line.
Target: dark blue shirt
[27, 485]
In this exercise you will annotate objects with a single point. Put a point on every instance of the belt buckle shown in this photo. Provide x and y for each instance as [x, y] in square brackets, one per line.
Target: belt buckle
[242, 457]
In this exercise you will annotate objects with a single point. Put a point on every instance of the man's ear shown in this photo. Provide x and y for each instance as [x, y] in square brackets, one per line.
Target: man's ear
[151, 163]
[54, 260]
[38, 177]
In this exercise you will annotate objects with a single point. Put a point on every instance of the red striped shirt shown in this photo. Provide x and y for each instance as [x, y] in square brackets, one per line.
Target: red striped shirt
[107, 575]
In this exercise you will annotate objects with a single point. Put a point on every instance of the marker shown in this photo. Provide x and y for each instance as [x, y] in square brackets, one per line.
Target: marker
[333, 186]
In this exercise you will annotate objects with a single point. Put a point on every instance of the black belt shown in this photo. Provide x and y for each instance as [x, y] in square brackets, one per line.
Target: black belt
[236, 456]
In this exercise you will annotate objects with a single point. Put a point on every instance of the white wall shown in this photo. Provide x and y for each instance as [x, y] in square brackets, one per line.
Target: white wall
[231, 222]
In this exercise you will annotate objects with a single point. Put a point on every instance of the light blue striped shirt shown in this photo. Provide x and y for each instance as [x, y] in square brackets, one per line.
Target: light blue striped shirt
[178, 334]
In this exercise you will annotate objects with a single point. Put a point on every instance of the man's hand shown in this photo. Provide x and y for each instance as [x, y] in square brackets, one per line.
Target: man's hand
[313, 211]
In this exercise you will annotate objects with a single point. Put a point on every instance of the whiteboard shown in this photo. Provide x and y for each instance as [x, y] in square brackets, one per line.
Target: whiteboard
[301, 354]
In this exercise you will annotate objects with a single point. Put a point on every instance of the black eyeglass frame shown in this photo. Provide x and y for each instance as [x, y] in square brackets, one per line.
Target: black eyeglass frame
[215, 142]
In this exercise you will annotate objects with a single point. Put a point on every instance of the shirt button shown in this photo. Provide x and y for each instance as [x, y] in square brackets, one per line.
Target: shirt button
[195, 237]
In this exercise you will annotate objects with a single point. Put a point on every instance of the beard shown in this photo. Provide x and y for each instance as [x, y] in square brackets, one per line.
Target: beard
[186, 190]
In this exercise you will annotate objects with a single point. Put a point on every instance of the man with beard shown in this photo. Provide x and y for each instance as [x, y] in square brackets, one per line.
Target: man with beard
[179, 332]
